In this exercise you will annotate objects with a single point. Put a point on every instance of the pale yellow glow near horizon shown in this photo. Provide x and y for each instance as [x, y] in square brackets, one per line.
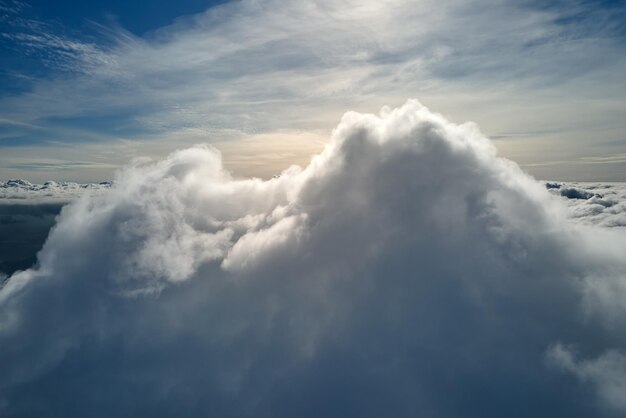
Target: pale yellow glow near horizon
[266, 155]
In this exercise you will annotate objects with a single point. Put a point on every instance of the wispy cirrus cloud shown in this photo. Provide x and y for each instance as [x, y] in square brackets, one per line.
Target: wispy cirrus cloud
[47, 42]
[234, 67]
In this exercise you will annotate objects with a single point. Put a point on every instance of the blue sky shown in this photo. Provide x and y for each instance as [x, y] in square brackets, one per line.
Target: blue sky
[137, 17]
[87, 86]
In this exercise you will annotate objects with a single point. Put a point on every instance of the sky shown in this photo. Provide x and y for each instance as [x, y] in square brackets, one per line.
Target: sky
[85, 87]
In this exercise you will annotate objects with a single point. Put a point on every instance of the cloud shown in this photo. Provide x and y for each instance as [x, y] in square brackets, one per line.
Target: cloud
[27, 212]
[46, 41]
[601, 204]
[407, 270]
[23, 191]
[607, 373]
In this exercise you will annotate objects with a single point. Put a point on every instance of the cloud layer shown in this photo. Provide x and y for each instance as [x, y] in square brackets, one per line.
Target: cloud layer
[19, 190]
[601, 204]
[407, 271]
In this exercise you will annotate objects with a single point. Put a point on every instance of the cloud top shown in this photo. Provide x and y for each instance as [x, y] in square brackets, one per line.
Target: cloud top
[407, 270]
[601, 204]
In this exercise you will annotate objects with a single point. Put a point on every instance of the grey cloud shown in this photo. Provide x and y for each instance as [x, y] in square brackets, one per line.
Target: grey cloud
[573, 193]
[27, 213]
[601, 204]
[23, 230]
[406, 271]
[607, 373]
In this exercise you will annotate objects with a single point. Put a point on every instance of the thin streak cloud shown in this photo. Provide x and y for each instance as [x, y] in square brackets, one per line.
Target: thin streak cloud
[231, 69]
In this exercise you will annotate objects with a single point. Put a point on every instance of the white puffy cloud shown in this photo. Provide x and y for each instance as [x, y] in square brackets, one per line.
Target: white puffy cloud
[22, 191]
[407, 270]
[601, 204]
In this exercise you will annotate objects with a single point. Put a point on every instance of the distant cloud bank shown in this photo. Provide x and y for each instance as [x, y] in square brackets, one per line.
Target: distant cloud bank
[602, 204]
[406, 271]
[16, 190]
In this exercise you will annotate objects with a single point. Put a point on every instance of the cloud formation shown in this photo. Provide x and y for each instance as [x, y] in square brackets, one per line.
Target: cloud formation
[19, 190]
[607, 373]
[601, 204]
[406, 271]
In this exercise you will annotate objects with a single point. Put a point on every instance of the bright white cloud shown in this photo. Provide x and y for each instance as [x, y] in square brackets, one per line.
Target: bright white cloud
[407, 270]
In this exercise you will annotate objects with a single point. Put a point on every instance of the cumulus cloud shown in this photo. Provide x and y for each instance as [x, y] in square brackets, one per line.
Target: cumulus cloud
[23, 191]
[406, 271]
[601, 204]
